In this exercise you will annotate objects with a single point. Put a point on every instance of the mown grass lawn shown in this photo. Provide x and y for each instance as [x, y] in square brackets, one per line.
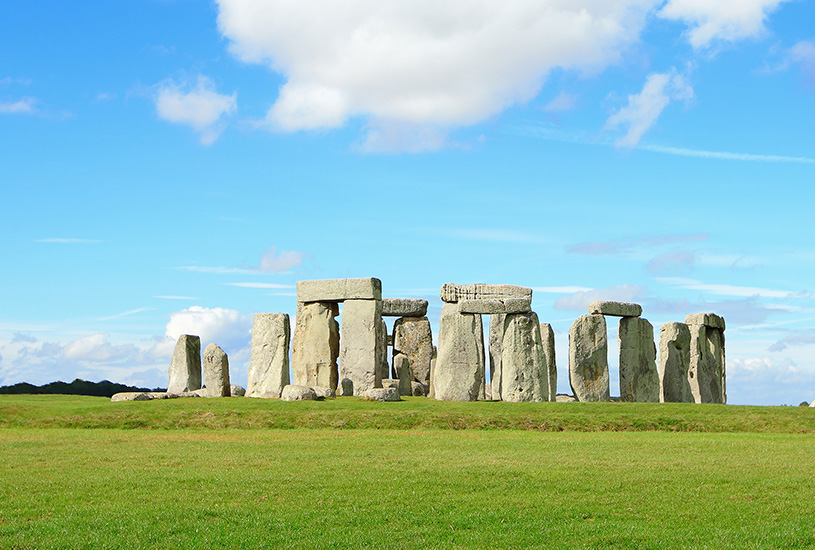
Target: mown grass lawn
[254, 487]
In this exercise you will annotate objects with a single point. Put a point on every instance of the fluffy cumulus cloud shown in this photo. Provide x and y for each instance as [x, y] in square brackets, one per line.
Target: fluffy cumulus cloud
[226, 327]
[197, 105]
[722, 20]
[644, 108]
[768, 381]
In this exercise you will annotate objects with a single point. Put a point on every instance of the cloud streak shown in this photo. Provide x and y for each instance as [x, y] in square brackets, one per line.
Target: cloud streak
[197, 105]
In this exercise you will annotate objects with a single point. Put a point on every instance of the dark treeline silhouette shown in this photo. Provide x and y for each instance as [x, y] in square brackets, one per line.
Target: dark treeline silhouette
[105, 388]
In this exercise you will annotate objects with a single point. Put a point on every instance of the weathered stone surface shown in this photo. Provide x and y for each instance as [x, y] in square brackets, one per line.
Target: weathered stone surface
[401, 367]
[298, 393]
[413, 338]
[215, 365]
[418, 389]
[237, 391]
[185, 368]
[384, 366]
[708, 319]
[130, 396]
[346, 387]
[561, 398]
[452, 293]
[706, 374]
[496, 339]
[548, 343]
[162, 395]
[316, 345]
[458, 374]
[324, 393]
[674, 363]
[403, 307]
[194, 393]
[381, 394]
[269, 358]
[639, 380]
[616, 309]
[390, 383]
[338, 290]
[524, 374]
[588, 358]
[491, 306]
[431, 391]
[361, 346]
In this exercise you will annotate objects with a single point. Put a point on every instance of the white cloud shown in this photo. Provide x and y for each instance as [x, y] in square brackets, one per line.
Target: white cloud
[626, 245]
[61, 240]
[562, 102]
[196, 105]
[422, 62]
[644, 108]
[580, 300]
[732, 290]
[723, 155]
[720, 20]
[97, 348]
[768, 381]
[561, 289]
[20, 107]
[260, 285]
[804, 54]
[226, 327]
[126, 313]
[273, 261]
[389, 136]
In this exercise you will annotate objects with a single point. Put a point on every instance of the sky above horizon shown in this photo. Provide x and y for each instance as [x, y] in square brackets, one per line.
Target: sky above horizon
[175, 166]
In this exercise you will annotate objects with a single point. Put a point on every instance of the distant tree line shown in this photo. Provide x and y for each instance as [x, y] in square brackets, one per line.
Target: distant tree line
[105, 388]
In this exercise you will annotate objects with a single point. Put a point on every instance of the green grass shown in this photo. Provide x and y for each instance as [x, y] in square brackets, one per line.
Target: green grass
[214, 476]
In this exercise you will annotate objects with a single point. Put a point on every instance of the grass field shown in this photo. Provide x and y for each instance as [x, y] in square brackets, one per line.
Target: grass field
[241, 473]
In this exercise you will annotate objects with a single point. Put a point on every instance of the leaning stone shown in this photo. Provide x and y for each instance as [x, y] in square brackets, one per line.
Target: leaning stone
[524, 374]
[496, 339]
[298, 393]
[639, 380]
[674, 363]
[491, 306]
[216, 372]
[338, 290]
[130, 396]
[708, 319]
[324, 393]
[403, 307]
[401, 367]
[361, 351]
[458, 374]
[588, 358]
[382, 394]
[237, 391]
[548, 343]
[452, 293]
[412, 337]
[269, 356]
[615, 309]
[561, 398]
[185, 368]
[418, 389]
[316, 345]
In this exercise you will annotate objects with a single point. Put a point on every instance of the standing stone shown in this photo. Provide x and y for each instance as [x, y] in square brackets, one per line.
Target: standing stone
[216, 372]
[413, 338]
[588, 358]
[361, 349]
[401, 368]
[548, 343]
[316, 344]
[496, 339]
[185, 367]
[459, 370]
[431, 393]
[524, 374]
[269, 358]
[706, 372]
[674, 363]
[384, 366]
[639, 380]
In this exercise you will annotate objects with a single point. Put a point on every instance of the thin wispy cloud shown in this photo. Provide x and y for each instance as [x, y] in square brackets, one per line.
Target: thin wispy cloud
[732, 290]
[175, 297]
[626, 245]
[723, 155]
[561, 289]
[60, 240]
[259, 285]
[271, 262]
[126, 313]
[22, 106]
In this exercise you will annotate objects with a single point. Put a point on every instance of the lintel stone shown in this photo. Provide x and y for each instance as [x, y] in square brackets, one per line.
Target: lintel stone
[615, 309]
[492, 306]
[708, 319]
[452, 293]
[339, 290]
[403, 307]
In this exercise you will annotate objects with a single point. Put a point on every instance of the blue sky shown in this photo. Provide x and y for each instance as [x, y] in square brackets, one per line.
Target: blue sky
[176, 166]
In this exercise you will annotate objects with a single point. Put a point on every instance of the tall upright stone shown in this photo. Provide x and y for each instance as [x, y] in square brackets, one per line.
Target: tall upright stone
[524, 374]
[216, 372]
[315, 346]
[496, 340]
[269, 358]
[185, 367]
[361, 349]
[707, 358]
[674, 363]
[412, 337]
[384, 366]
[588, 358]
[458, 374]
[548, 343]
[639, 380]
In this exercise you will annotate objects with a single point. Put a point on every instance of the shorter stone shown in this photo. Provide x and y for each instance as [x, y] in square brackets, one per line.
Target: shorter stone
[491, 306]
[615, 309]
[381, 394]
[390, 383]
[339, 290]
[298, 393]
[346, 387]
[324, 393]
[403, 307]
[563, 398]
[215, 365]
[708, 319]
[237, 391]
[418, 389]
[130, 396]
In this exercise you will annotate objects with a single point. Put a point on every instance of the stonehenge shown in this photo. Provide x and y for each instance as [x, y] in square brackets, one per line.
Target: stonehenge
[215, 365]
[185, 367]
[706, 373]
[269, 355]
[674, 363]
